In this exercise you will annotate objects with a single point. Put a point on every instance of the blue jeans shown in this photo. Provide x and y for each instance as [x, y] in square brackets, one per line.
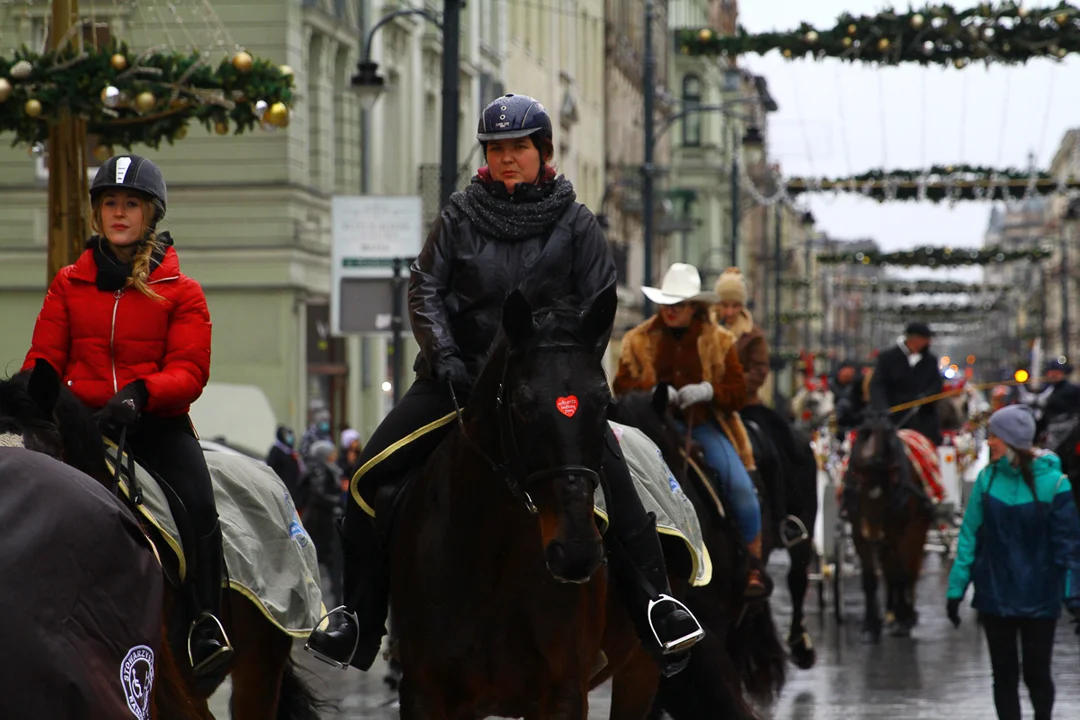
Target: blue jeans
[739, 488]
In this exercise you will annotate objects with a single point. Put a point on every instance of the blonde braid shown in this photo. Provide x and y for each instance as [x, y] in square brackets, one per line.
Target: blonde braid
[140, 266]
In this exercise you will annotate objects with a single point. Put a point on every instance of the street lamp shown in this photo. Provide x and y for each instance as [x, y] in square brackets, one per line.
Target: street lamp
[1072, 213]
[754, 145]
[369, 85]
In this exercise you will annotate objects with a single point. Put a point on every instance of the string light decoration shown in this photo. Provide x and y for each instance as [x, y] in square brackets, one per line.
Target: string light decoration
[1006, 32]
[935, 309]
[923, 287]
[929, 256]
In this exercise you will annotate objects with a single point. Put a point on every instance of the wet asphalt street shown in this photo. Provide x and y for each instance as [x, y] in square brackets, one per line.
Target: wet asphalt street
[940, 673]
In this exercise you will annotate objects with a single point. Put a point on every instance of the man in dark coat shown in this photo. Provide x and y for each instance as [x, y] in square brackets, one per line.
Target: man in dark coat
[80, 605]
[846, 385]
[284, 460]
[906, 372]
[1058, 405]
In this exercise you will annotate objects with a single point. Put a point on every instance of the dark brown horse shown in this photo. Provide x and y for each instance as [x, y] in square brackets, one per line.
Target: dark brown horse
[265, 682]
[890, 516]
[742, 649]
[500, 599]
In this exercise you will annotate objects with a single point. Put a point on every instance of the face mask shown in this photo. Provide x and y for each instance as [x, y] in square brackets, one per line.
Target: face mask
[324, 427]
[289, 439]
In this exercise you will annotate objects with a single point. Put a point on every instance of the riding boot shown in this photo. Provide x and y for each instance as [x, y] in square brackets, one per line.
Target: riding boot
[756, 587]
[208, 646]
[354, 631]
[665, 626]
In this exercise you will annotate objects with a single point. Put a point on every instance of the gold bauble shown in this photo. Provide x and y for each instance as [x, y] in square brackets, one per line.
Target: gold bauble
[181, 133]
[852, 29]
[102, 153]
[787, 52]
[705, 35]
[883, 44]
[5, 89]
[118, 61]
[1061, 53]
[285, 70]
[221, 128]
[145, 101]
[1061, 18]
[917, 21]
[812, 37]
[33, 107]
[1022, 12]
[277, 114]
[960, 63]
[847, 42]
[242, 62]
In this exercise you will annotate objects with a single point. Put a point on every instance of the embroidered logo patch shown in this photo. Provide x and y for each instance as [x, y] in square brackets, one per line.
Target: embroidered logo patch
[296, 529]
[567, 405]
[137, 679]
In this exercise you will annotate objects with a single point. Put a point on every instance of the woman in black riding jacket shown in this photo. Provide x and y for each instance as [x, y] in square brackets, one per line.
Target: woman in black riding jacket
[517, 225]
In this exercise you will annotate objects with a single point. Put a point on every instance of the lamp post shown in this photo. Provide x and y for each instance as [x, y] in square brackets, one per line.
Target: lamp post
[807, 222]
[777, 337]
[1072, 213]
[369, 86]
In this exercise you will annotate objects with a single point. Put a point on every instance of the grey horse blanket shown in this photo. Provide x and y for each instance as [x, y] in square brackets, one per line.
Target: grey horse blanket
[270, 557]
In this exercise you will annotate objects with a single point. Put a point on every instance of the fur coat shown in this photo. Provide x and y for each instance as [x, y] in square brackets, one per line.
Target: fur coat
[753, 351]
[652, 354]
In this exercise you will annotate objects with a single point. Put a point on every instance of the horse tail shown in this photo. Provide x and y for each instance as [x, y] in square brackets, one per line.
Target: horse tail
[297, 701]
[172, 698]
[758, 652]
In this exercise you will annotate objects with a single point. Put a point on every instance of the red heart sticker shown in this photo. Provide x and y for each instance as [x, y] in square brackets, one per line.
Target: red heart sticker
[567, 405]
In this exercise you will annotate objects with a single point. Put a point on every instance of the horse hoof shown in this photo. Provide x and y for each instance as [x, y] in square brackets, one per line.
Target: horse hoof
[802, 652]
[900, 630]
[871, 635]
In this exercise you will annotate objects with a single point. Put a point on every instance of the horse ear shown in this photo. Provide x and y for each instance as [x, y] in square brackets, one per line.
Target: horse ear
[517, 317]
[600, 316]
[660, 399]
[44, 386]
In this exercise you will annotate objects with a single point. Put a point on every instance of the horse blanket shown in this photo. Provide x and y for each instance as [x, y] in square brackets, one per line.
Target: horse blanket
[924, 458]
[661, 494]
[270, 557]
[80, 608]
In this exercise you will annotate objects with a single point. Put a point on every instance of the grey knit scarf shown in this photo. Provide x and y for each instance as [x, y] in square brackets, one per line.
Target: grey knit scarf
[531, 211]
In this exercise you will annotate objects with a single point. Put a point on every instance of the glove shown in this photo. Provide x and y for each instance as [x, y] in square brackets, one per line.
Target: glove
[124, 407]
[672, 395]
[693, 394]
[451, 369]
[952, 609]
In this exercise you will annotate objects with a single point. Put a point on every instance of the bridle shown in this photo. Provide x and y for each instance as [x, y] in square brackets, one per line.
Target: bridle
[518, 480]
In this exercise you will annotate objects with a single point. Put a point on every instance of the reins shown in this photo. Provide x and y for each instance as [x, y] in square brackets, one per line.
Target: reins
[122, 449]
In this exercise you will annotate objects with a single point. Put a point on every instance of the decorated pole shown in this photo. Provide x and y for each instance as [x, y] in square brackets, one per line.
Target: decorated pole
[67, 206]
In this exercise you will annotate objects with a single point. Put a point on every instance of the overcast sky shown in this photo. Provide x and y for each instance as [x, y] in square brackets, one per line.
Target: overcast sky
[837, 119]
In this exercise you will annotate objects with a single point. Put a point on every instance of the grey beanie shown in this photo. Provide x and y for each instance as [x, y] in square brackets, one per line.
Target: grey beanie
[1014, 425]
[322, 450]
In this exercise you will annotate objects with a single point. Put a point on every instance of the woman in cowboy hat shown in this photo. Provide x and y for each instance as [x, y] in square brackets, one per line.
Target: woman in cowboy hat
[681, 347]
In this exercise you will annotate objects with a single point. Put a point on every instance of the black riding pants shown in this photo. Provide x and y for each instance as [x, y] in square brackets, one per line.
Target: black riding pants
[168, 447]
[1036, 647]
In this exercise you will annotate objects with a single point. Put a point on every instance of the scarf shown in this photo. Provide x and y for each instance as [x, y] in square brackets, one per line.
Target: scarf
[112, 272]
[530, 211]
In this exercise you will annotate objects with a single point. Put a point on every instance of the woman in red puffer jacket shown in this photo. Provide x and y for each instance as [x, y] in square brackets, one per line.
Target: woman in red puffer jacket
[130, 336]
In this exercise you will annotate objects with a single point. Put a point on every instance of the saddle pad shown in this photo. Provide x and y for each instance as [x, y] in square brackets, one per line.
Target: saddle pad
[270, 558]
[661, 494]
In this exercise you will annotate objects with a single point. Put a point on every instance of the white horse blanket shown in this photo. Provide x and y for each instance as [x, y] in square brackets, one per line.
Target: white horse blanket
[661, 493]
[270, 557]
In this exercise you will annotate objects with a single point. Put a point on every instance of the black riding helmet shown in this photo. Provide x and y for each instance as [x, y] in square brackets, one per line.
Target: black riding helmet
[132, 172]
[514, 116]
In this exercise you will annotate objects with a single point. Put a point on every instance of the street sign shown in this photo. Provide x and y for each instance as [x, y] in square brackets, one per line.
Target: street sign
[369, 232]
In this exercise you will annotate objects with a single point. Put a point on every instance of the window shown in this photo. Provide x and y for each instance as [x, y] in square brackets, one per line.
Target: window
[691, 124]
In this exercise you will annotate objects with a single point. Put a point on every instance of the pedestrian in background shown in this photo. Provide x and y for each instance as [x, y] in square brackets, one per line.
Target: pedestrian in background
[320, 496]
[284, 460]
[349, 453]
[1020, 545]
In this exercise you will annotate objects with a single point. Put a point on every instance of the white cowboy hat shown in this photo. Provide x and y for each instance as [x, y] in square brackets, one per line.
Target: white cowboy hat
[682, 283]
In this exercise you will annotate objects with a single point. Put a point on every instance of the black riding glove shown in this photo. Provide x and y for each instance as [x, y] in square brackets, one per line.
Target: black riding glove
[124, 407]
[451, 369]
[952, 609]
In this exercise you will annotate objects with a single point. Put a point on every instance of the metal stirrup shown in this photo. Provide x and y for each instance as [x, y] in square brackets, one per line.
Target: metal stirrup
[679, 644]
[334, 662]
[226, 645]
[799, 526]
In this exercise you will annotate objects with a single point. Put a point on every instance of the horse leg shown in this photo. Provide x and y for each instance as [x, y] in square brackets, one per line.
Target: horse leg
[570, 701]
[262, 652]
[871, 630]
[911, 562]
[413, 704]
[634, 688]
[802, 650]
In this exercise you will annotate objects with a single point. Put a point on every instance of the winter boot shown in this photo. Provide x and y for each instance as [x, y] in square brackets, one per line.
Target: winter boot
[208, 646]
[756, 587]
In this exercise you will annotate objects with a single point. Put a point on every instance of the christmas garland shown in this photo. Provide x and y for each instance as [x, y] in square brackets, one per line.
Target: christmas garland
[938, 183]
[933, 35]
[935, 309]
[790, 317]
[923, 287]
[143, 99]
[935, 257]
[796, 282]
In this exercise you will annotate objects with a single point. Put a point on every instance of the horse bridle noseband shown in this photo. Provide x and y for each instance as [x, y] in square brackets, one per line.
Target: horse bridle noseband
[508, 442]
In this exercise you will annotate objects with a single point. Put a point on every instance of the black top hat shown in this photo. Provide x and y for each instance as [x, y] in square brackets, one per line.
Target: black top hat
[919, 329]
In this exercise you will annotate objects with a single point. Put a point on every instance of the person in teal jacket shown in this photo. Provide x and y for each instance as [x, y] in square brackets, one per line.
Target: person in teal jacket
[1020, 545]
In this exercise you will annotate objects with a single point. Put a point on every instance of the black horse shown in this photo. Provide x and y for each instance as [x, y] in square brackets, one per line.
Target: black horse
[890, 516]
[1069, 452]
[741, 649]
[787, 484]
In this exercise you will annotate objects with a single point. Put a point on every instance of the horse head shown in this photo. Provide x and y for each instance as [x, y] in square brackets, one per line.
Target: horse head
[39, 413]
[542, 400]
[876, 466]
